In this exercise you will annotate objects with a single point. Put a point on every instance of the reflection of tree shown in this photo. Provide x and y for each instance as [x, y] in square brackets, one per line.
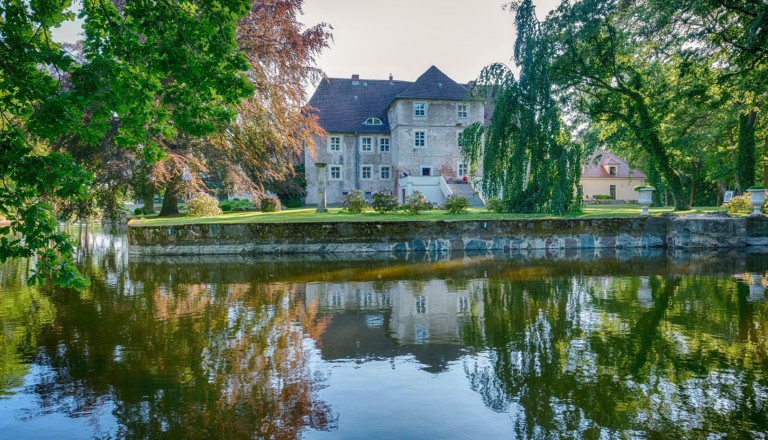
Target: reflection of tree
[185, 359]
[23, 313]
[579, 357]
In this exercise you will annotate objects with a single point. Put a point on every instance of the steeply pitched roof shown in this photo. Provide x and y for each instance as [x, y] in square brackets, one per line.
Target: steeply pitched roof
[597, 162]
[343, 104]
[434, 84]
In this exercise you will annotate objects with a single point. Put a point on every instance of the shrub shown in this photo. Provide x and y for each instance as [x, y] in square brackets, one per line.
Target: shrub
[740, 205]
[354, 202]
[138, 211]
[603, 197]
[456, 204]
[203, 205]
[225, 205]
[494, 204]
[270, 204]
[293, 202]
[243, 205]
[383, 202]
[415, 203]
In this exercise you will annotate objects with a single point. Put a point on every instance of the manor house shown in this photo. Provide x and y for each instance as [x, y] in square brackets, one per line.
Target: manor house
[397, 136]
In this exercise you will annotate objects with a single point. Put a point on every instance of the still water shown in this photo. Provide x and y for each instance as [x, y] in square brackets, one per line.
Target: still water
[417, 347]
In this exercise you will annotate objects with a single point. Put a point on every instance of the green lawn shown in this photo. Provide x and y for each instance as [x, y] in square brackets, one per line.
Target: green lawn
[304, 215]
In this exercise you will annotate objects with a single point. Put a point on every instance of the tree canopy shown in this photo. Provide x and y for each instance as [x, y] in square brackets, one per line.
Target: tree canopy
[149, 81]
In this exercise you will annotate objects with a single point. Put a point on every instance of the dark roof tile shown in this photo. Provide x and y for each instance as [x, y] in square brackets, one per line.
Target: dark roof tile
[343, 104]
[434, 84]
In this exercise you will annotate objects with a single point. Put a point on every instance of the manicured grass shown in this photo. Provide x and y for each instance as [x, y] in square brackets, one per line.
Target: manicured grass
[305, 215]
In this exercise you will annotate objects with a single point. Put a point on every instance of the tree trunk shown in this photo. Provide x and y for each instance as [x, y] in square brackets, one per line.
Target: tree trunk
[647, 133]
[149, 203]
[171, 199]
[745, 157]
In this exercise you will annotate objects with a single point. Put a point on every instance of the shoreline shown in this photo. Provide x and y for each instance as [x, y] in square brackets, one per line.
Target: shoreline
[550, 235]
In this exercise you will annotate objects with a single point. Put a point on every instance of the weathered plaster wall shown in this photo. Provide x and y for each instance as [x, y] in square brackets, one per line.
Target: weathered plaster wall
[550, 235]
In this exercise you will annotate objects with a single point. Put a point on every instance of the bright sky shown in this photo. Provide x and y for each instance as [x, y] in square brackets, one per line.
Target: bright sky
[374, 38]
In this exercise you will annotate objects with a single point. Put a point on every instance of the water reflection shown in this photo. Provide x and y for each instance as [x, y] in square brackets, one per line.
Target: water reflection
[233, 347]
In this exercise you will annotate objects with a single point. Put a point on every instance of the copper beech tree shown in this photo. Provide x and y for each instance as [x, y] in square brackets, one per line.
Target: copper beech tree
[259, 149]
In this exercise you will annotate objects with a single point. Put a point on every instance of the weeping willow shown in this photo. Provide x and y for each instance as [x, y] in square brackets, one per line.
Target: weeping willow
[527, 158]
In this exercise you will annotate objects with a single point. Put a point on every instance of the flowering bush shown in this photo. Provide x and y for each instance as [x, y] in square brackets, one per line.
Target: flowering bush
[456, 204]
[270, 204]
[354, 202]
[383, 202]
[415, 203]
[740, 205]
[494, 204]
[203, 205]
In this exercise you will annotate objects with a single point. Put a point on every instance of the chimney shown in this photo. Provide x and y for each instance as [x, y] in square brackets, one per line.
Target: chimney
[355, 77]
[390, 77]
[471, 83]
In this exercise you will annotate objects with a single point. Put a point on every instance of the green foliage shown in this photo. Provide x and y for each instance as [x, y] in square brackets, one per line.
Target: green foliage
[494, 204]
[384, 202]
[293, 202]
[741, 205]
[745, 157]
[270, 204]
[527, 157]
[354, 202]
[603, 197]
[416, 203]
[203, 205]
[170, 67]
[456, 204]
[225, 205]
[138, 211]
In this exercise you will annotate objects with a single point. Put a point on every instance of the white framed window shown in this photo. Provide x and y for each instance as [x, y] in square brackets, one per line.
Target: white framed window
[461, 170]
[421, 304]
[366, 171]
[385, 172]
[462, 111]
[425, 170]
[419, 139]
[366, 144]
[463, 304]
[334, 172]
[419, 109]
[383, 145]
[334, 143]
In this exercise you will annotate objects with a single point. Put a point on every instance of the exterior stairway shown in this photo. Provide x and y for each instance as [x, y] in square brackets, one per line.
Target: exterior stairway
[464, 189]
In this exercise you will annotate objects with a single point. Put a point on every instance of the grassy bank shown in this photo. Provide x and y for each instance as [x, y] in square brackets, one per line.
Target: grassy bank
[305, 215]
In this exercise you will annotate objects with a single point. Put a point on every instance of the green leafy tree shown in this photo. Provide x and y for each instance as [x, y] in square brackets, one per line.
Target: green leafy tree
[152, 69]
[527, 158]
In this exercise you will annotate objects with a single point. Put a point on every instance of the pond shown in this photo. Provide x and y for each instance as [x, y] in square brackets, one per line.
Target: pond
[425, 346]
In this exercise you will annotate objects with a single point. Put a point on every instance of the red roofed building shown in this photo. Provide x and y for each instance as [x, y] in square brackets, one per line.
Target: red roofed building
[607, 174]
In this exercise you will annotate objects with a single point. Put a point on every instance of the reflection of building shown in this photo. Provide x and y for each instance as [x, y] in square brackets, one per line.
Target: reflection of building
[380, 320]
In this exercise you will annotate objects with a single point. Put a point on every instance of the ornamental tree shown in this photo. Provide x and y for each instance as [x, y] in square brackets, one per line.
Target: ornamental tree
[153, 70]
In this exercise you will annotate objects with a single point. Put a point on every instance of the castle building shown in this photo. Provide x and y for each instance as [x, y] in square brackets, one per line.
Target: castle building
[397, 136]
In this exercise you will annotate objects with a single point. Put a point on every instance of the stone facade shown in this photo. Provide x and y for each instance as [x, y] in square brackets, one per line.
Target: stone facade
[379, 130]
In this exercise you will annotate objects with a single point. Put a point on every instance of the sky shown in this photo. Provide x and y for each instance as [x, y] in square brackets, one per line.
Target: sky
[376, 38]
[373, 38]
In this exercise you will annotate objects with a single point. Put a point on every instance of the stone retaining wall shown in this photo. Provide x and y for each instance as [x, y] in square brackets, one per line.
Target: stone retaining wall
[551, 235]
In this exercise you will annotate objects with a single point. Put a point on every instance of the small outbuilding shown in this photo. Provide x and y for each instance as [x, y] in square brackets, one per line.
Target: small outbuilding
[607, 176]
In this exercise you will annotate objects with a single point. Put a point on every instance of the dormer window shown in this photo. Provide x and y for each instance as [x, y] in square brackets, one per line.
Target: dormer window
[373, 121]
